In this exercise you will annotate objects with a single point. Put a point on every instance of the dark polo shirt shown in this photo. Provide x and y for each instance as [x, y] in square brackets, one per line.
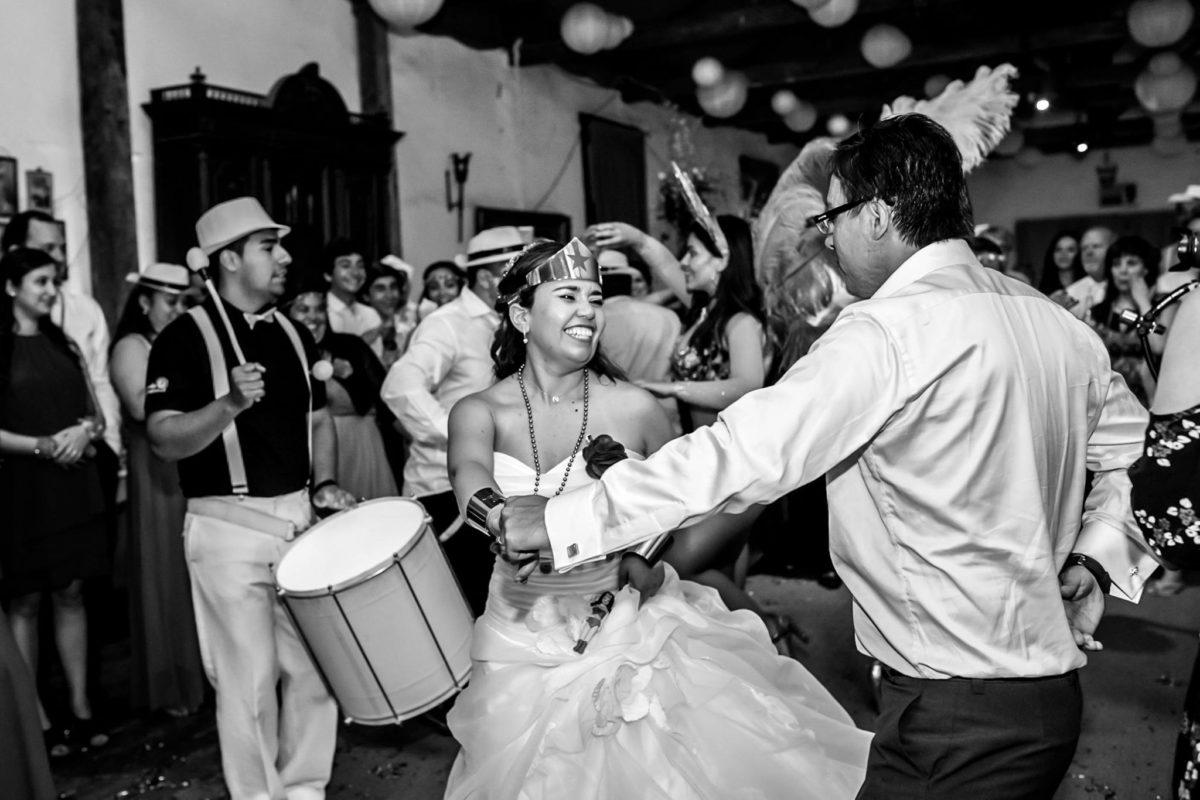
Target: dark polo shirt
[273, 432]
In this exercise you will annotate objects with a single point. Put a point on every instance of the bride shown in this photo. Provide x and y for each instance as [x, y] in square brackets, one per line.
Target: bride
[674, 696]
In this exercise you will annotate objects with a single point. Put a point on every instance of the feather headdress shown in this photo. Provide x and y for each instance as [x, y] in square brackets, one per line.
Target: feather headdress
[799, 275]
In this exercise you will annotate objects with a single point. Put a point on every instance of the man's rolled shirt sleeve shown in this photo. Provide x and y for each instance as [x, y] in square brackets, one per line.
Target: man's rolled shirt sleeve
[408, 388]
[1109, 533]
[824, 410]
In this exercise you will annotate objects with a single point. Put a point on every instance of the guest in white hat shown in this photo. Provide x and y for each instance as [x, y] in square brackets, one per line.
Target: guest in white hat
[165, 673]
[386, 290]
[448, 359]
[252, 469]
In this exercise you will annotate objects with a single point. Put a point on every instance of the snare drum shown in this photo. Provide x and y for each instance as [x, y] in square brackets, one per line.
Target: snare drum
[379, 610]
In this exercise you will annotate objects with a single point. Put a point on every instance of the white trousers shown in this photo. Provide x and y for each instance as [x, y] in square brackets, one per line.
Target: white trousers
[271, 749]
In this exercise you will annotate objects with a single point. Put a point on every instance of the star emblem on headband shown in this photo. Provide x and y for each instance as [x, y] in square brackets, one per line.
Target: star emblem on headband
[574, 262]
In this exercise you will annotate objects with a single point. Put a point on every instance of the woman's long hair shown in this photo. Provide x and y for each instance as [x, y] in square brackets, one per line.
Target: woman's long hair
[1125, 246]
[14, 266]
[737, 290]
[1049, 283]
[134, 318]
[508, 348]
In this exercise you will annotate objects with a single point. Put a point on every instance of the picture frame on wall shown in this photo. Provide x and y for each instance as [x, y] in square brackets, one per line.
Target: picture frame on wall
[8, 186]
[39, 190]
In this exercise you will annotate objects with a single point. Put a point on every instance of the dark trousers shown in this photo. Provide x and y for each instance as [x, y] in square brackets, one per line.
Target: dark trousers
[966, 739]
[468, 550]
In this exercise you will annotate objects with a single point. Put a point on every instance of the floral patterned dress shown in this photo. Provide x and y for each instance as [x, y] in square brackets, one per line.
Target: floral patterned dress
[1166, 495]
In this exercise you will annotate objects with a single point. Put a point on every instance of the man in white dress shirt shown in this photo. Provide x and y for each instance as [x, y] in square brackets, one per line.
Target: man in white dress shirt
[955, 412]
[1089, 290]
[448, 358]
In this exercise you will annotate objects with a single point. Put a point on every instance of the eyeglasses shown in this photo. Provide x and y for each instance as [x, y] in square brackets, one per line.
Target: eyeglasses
[824, 222]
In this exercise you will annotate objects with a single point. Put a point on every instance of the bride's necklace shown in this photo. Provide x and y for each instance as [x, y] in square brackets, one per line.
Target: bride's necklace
[537, 464]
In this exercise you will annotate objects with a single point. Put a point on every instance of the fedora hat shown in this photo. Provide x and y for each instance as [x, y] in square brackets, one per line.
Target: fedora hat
[169, 278]
[494, 245]
[225, 223]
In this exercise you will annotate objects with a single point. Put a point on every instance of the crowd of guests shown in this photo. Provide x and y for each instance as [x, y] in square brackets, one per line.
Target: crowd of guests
[690, 329]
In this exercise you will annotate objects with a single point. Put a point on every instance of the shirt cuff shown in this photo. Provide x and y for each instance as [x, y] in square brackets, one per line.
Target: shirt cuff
[1128, 562]
[574, 533]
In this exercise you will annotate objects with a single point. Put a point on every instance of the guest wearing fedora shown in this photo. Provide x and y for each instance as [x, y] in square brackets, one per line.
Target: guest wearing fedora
[252, 469]
[449, 358]
[386, 291]
[165, 669]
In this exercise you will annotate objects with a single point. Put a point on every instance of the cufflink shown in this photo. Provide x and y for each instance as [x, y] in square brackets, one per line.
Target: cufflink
[1133, 571]
[572, 550]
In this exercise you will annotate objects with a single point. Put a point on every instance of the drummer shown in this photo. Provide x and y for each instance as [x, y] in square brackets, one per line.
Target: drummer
[252, 469]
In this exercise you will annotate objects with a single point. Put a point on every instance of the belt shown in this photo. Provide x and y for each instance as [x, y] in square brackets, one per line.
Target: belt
[238, 514]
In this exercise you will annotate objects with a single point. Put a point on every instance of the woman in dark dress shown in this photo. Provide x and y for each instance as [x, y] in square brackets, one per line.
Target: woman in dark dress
[54, 532]
[1166, 498]
[166, 669]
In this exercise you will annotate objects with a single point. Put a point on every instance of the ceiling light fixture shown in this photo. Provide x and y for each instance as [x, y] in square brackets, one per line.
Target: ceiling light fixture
[1042, 104]
[1081, 148]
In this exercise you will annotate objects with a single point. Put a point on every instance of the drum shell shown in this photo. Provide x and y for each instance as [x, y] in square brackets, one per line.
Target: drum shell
[394, 642]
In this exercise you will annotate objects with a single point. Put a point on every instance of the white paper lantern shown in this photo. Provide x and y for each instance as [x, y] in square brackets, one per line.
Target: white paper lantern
[619, 29]
[936, 84]
[1159, 23]
[726, 98]
[783, 102]
[833, 13]
[809, 5]
[707, 72]
[1160, 91]
[885, 46]
[1011, 144]
[584, 28]
[838, 125]
[802, 118]
[404, 15]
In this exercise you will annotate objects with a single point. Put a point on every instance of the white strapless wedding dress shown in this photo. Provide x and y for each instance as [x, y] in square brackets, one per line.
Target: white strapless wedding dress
[679, 699]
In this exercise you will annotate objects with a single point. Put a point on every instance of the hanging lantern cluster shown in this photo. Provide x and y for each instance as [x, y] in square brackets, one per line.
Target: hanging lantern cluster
[838, 125]
[1159, 23]
[1166, 85]
[720, 92]
[404, 15]
[885, 46]
[833, 13]
[587, 29]
[798, 115]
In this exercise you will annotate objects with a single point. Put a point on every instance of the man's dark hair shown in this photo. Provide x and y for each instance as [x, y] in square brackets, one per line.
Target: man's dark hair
[17, 230]
[237, 247]
[911, 163]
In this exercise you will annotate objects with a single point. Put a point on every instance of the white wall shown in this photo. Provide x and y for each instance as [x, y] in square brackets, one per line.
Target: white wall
[1004, 191]
[39, 125]
[522, 128]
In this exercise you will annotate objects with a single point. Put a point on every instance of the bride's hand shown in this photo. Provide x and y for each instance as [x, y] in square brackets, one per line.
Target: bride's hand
[637, 572]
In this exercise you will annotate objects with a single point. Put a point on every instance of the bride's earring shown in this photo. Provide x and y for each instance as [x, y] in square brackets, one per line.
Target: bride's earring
[525, 337]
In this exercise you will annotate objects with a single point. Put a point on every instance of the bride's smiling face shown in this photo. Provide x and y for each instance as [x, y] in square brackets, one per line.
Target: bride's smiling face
[566, 319]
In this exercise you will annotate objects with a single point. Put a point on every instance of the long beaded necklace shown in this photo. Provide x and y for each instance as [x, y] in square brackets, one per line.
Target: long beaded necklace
[537, 464]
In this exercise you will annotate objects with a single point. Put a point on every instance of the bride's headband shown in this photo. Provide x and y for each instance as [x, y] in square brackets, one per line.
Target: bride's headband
[700, 211]
[572, 263]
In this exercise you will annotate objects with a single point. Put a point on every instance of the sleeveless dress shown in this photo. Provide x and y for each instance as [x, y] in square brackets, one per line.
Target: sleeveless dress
[679, 700]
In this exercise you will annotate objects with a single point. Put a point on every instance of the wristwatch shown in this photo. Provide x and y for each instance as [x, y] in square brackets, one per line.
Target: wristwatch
[1093, 566]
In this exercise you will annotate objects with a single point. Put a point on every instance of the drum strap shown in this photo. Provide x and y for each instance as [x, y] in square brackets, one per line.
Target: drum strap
[220, 379]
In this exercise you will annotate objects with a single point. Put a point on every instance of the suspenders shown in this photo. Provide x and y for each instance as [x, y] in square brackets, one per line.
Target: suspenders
[220, 379]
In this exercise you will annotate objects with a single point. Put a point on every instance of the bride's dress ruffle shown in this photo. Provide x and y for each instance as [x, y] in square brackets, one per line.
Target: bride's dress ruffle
[679, 699]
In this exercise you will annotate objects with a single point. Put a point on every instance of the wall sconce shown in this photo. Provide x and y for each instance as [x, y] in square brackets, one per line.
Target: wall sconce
[460, 163]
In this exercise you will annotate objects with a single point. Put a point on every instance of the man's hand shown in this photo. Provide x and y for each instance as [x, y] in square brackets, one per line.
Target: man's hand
[332, 497]
[523, 531]
[246, 385]
[1084, 603]
[638, 573]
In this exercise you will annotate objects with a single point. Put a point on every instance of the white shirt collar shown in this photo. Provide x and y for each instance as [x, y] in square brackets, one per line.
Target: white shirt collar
[473, 305]
[929, 258]
[334, 303]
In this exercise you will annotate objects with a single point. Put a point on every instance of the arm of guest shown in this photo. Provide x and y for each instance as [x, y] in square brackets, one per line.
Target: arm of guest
[324, 447]
[746, 369]
[408, 388]
[96, 356]
[1109, 533]
[18, 444]
[176, 434]
[128, 370]
[766, 444]
[470, 457]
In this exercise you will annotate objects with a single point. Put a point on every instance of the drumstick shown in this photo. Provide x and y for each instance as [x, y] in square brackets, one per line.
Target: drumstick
[197, 262]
